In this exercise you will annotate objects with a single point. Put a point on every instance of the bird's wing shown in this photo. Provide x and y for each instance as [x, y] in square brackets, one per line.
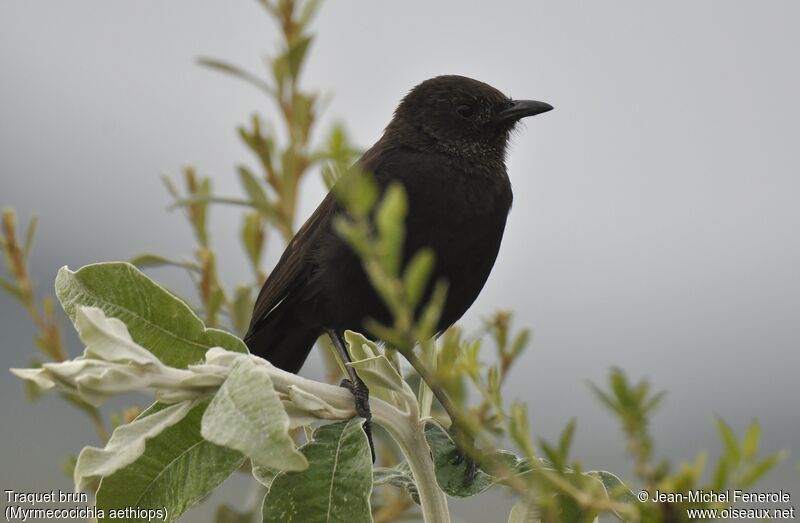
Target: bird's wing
[294, 266]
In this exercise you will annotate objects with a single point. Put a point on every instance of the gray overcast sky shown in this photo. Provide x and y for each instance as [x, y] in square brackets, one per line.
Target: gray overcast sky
[655, 224]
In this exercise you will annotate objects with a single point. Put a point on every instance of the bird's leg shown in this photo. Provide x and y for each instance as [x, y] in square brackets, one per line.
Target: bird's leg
[357, 387]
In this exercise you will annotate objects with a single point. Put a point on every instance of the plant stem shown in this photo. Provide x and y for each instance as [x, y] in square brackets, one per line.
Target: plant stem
[405, 428]
[410, 437]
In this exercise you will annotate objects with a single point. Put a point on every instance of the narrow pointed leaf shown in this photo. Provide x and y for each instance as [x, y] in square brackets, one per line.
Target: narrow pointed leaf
[296, 55]
[147, 260]
[254, 190]
[390, 221]
[238, 73]
[729, 440]
[417, 275]
[751, 439]
[29, 234]
[10, 288]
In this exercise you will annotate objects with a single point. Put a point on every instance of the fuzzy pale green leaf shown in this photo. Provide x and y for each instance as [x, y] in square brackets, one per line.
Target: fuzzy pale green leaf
[374, 368]
[451, 471]
[246, 414]
[398, 476]
[524, 511]
[177, 469]
[155, 318]
[126, 445]
[336, 486]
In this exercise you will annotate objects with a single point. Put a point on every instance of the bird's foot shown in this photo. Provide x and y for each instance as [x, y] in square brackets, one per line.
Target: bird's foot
[460, 457]
[470, 465]
[360, 394]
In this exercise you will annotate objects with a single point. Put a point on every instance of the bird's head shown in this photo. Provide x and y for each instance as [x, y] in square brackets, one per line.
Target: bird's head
[461, 116]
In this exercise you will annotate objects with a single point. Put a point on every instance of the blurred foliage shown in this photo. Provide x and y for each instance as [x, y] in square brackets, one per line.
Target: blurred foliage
[550, 483]
[48, 337]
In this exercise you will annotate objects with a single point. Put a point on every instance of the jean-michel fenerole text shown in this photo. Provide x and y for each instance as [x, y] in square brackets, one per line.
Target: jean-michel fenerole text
[723, 496]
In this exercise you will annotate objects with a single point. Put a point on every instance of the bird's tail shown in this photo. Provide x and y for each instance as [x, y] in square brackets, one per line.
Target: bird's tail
[282, 339]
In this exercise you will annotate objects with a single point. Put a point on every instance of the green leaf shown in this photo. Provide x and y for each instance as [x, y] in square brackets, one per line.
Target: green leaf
[358, 192]
[390, 222]
[519, 429]
[620, 388]
[615, 489]
[280, 68]
[246, 414]
[417, 274]
[552, 455]
[309, 10]
[254, 190]
[520, 342]
[10, 288]
[750, 441]
[199, 211]
[156, 319]
[524, 511]
[238, 73]
[374, 368]
[147, 260]
[264, 475]
[242, 308]
[336, 486]
[177, 469]
[758, 470]
[605, 398]
[29, 234]
[126, 445]
[398, 476]
[171, 189]
[359, 346]
[296, 55]
[432, 311]
[571, 512]
[68, 465]
[271, 8]
[32, 391]
[302, 117]
[729, 440]
[451, 471]
[565, 442]
[720, 478]
[352, 234]
[378, 372]
[253, 237]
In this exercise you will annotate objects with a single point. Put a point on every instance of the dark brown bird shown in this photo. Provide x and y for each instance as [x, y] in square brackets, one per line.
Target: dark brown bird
[447, 146]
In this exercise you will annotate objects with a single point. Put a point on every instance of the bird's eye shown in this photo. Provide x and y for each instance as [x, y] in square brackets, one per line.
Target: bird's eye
[465, 110]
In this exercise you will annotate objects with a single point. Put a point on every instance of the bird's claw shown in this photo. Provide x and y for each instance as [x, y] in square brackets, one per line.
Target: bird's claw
[470, 465]
[360, 394]
[461, 456]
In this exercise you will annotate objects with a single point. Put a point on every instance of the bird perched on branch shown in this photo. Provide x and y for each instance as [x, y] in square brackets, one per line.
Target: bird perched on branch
[447, 146]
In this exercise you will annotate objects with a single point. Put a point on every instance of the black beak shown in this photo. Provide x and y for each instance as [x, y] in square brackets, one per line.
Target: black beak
[520, 109]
